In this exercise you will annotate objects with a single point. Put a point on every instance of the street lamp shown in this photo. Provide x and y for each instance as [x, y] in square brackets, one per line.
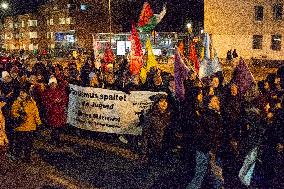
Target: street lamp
[189, 27]
[4, 5]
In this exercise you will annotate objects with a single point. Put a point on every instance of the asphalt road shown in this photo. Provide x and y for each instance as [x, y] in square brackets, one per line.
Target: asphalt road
[88, 163]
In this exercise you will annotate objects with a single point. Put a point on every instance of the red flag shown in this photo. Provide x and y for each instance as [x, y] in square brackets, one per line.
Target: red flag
[136, 54]
[108, 55]
[145, 15]
[193, 57]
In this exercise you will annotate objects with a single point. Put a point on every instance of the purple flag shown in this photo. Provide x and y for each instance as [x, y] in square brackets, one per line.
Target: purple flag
[242, 77]
[181, 71]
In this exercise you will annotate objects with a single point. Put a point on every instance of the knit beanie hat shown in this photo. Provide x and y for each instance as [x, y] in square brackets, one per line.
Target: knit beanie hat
[52, 80]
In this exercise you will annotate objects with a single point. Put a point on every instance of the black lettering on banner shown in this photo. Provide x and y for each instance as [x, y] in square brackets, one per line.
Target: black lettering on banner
[105, 97]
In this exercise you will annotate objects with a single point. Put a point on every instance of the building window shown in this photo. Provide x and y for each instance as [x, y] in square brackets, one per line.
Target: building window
[32, 23]
[16, 25]
[33, 35]
[258, 13]
[68, 20]
[276, 42]
[11, 25]
[23, 23]
[277, 11]
[51, 35]
[61, 20]
[51, 21]
[47, 22]
[257, 42]
[47, 35]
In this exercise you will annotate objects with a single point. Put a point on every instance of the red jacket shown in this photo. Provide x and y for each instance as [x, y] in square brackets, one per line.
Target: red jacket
[56, 102]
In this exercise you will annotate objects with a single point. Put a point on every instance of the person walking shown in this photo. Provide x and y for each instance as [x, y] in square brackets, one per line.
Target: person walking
[26, 115]
[55, 100]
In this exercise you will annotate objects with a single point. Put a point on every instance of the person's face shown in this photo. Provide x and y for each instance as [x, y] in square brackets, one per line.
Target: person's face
[23, 95]
[94, 81]
[234, 90]
[53, 85]
[267, 107]
[33, 80]
[158, 80]
[136, 80]
[7, 79]
[163, 105]
[66, 72]
[181, 46]
[215, 82]
[110, 79]
[211, 91]
[266, 85]
[199, 97]
[14, 75]
[277, 80]
[39, 77]
[193, 76]
[172, 86]
[215, 103]
[2, 103]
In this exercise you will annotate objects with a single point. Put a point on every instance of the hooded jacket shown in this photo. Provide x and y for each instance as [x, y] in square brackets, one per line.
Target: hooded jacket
[31, 118]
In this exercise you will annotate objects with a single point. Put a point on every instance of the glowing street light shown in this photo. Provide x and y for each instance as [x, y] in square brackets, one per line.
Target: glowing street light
[4, 5]
[188, 25]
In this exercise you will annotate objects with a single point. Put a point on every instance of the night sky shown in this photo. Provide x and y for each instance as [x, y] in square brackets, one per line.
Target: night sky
[179, 12]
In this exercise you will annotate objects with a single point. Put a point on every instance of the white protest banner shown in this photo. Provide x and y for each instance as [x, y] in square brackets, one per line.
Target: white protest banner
[108, 111]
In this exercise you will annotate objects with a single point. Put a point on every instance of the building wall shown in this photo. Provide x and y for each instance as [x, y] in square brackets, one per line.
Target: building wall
[232, 25]
[83, 23]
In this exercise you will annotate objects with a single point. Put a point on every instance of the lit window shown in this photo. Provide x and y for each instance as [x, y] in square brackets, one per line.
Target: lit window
[277, 11]
[23, 23]
[61, 20]
[11, 25]
[47, 35]
[51, 21]
[276, 42]
[68, 20]
[258, 13]
[33, 35]
[51, 35]
[47, 22]
[32, 23]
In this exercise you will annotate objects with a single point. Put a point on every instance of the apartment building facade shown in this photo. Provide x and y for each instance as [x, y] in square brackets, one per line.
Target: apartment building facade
[255, 28]
[58, 24]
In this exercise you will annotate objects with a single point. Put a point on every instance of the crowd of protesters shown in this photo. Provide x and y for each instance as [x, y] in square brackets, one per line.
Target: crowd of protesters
[214, 126]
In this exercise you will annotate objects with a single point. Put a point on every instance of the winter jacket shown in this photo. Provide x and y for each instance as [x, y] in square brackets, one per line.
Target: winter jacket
[213, 125]
[3, 136]
[31, 118]
[55, 102]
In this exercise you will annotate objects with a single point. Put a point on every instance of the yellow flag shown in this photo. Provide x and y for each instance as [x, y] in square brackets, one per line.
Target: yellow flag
[150, 62]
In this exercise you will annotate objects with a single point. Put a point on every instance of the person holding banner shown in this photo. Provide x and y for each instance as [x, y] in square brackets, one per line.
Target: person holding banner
[154, 126]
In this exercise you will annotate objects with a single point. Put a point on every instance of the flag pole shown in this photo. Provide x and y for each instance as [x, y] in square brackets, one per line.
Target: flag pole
[109, 12]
